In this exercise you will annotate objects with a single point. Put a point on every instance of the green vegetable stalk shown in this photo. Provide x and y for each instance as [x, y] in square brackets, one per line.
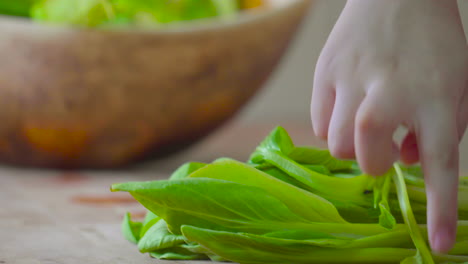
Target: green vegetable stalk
[288, 204]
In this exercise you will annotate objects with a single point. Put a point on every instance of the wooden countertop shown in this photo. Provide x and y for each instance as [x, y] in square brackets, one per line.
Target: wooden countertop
[51, 217]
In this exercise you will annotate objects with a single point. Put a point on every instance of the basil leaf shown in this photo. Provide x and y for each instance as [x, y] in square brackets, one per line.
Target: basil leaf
[131, 230]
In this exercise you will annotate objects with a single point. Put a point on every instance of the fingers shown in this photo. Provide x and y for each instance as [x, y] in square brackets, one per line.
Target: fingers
[438, 148]
[375, 124]
[409, 148]
[341, 130]
[321, 108]
[323, 97]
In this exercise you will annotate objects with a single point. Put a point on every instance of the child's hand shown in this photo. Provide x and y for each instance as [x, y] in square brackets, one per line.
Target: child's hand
[391, 63]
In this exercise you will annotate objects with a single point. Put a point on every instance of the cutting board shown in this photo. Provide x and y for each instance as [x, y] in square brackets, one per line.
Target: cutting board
[54, 217]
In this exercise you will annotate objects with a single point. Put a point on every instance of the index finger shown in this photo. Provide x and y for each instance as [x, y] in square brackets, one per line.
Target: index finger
[438, 148]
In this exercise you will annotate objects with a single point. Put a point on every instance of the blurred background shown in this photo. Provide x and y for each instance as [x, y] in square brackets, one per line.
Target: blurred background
[89, 99]
[285, 98]
[287, 95]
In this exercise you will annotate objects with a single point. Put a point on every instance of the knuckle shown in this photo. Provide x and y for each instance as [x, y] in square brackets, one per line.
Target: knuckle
[367, 121]
[340, 147]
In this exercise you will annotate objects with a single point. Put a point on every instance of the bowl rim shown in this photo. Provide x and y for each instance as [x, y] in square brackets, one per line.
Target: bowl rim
[200, 25]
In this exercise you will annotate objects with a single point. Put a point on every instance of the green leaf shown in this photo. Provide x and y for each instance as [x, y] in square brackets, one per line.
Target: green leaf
[302, 235]
[104, 13]
[460, 248]
[345, 189]
[248, 248]
[163, 11]
[177, 253]
[397, 238]
[158, 237]
[131, 230]
[318, 168]
[313, 156]
[196, 248]
[226, 8]
[16, 7]
[348, 211]
[302, 203]
[89, 13]
[351, 196]
[211, 203]
[423, 253]
[148, 225]
[282, 176]
[277, 209]
[149, 217]
[382, 192]
[278, 140]
[386, 219]
[150, 220]
[185, 170]
[349, 173]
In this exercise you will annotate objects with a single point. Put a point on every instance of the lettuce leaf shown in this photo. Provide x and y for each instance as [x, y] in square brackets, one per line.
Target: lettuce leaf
[104, 13]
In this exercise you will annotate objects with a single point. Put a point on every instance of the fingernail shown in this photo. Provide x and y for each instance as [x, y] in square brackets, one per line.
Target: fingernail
[443, 240]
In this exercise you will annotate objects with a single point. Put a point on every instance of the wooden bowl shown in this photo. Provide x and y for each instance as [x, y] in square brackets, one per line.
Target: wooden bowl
[72, 98]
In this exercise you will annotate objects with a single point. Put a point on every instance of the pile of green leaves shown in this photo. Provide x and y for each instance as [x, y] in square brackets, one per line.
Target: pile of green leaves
[288, 204]
[105, 13]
